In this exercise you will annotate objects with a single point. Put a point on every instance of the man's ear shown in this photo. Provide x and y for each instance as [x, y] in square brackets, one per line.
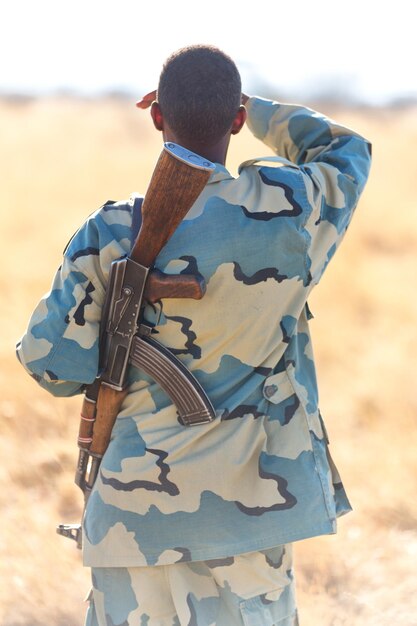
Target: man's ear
[156, 114]
[239, 120]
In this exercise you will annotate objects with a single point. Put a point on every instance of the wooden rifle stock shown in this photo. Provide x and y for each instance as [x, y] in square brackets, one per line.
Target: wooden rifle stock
[174, 187]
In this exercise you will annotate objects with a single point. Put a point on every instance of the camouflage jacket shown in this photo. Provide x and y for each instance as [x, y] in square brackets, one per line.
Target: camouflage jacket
[260, 474]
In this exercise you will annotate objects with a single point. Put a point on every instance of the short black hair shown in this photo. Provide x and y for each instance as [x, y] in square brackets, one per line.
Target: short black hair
[199, 93]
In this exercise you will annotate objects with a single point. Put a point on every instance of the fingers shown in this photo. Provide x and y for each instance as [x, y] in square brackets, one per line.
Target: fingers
[146, 101]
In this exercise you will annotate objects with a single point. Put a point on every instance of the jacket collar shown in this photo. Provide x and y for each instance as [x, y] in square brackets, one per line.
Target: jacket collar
[220, 173]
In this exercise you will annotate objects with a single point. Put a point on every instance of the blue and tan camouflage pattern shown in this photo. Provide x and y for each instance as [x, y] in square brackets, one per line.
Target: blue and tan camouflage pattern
[260, 475]
[255, 589]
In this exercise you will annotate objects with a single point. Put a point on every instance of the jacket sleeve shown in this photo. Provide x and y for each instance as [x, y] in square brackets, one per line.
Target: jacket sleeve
[60, 346]
[333, 163]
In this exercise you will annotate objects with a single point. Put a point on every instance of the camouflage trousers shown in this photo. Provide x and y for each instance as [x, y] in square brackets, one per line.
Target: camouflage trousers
[254, 589]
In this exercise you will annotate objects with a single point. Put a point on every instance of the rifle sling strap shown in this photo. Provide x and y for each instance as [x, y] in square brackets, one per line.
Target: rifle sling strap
[136, 218]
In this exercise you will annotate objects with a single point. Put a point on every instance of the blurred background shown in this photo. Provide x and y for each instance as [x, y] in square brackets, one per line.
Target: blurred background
[71, 138]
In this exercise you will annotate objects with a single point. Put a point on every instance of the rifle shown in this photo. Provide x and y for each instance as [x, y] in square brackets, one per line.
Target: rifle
[125, 337]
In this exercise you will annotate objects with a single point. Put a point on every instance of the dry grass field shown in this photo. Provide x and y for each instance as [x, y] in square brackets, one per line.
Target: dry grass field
[59, 160]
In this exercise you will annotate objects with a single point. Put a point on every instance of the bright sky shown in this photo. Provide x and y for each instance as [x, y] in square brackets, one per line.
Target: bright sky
[361, 47]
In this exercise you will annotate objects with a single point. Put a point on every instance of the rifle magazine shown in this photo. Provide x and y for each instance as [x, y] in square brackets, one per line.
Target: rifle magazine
[190, 399]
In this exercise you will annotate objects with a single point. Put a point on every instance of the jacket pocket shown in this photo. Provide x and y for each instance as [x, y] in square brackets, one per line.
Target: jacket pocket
[278, 388]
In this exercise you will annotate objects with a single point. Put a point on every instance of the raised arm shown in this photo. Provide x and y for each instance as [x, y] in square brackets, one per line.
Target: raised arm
[333, 163]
